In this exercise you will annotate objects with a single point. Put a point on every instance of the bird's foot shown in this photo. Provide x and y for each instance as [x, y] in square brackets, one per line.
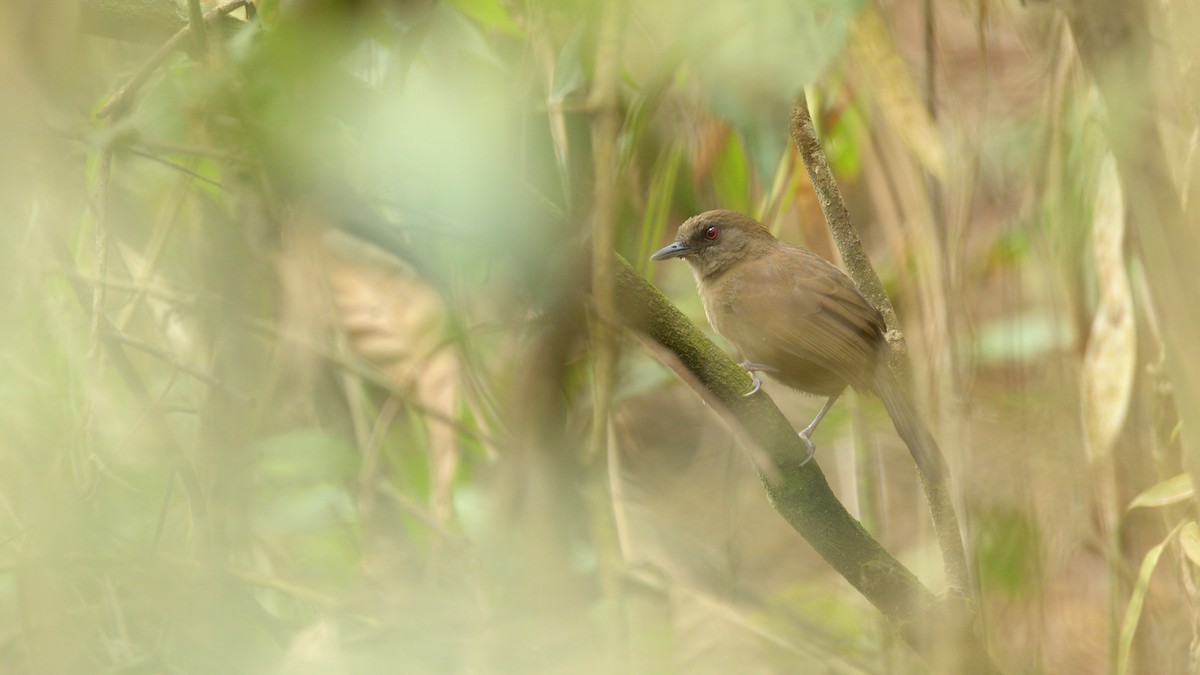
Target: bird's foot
[755, 380]
[756, 383]
[812, 447]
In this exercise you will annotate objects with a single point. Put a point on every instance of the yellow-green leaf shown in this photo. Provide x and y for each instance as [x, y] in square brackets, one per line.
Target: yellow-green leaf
[488, 13]
[1133, 611]
[731, 175]
[1170, 491]
[1189, 540]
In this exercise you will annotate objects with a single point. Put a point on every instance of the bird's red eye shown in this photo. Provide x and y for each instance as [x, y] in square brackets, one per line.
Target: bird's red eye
[711, 234]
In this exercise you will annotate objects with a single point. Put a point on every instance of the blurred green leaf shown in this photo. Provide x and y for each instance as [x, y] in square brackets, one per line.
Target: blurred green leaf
[407, 447]
[731, 176]
[568, 67]
[490, 13]
[659, 199]
[305, 456]
[785, 185]
[304, 506]
[648, 101]
[842, 142]
[639, 376]
[451, 36]
[841, 619]
[474, 512]
[307, 509]
[1009, 247]
[1007, 550]
[754, 57]
[1023, 337]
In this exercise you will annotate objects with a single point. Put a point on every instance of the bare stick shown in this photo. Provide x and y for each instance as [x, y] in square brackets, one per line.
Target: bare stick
[119, 102]
[100, 250]
[177, 362]
[937, 490]
[196, 23]
[606, 124]
[804, 135]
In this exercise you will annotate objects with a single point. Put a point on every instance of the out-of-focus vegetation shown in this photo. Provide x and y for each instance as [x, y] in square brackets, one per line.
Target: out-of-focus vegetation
[300, 357]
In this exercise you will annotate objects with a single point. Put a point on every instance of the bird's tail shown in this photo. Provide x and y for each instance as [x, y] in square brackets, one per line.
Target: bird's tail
[934, 473]
[908, 424]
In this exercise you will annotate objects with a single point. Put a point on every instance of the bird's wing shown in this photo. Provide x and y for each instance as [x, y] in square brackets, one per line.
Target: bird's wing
[816, 316]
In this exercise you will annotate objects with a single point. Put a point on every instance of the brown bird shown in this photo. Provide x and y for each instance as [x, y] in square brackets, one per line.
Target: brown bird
[796, 317]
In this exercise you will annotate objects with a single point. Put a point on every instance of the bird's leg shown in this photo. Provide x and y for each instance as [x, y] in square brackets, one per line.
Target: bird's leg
[806, 435]
[755, 380]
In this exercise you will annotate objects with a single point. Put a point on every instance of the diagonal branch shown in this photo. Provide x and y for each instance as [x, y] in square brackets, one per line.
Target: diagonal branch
[940, 629]
[121, 99]
[141, 21]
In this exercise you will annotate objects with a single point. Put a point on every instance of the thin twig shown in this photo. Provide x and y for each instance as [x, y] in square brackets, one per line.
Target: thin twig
[415, 509]
[930, 59]
[119, 102]
[372, 375]
[178, 297]
[175, 361]
[196, 150]
[122, 364]
[605, 127]
[100, 250]
[196, 23]
[158, 242]
[804, 135]
[370, 454]
[745, 611]
[178, 167]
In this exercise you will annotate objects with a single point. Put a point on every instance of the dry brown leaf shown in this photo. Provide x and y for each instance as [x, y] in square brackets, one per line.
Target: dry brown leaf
[386, 314]
[1108, 365]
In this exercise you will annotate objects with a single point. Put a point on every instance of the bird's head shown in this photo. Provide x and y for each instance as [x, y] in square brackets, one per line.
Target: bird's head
[714, 240]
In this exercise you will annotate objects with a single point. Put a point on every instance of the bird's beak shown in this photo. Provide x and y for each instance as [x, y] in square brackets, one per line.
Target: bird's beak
[675, 250]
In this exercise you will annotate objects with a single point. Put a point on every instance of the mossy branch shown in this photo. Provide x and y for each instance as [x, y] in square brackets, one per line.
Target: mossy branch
[145, 21]
[940, 629]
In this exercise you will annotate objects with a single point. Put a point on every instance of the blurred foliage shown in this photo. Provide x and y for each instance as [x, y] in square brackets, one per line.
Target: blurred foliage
[1007, 546]
[332, 415]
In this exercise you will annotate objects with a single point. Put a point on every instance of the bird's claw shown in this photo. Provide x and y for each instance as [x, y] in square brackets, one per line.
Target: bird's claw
[812, 447]
[756, 381]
